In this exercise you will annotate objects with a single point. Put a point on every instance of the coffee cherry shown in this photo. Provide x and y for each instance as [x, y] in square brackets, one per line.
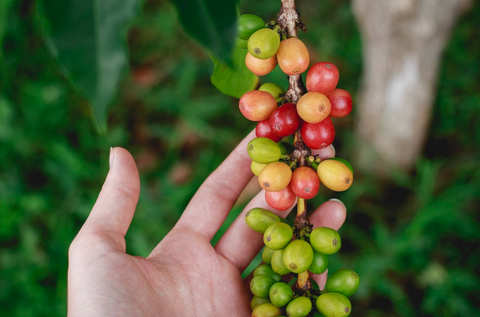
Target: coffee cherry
[264, 43]
[257, 105]
[325, 240]
[260, 285]
[313, 107]
[318, 135]
[334, 305]
[266, 310]
[343, 281]
[257, 167]
[263, 150]
[299, 307]
[344, 161]
[305, 182]
[275, 176]
[277, 263]
[322, 77]
[280, 294]
[319, 263]
[259, 219]
[298, 256]
[281, 200]
[249, 24]
[284, 120]
[257, 301]
[263, 129]
[292, 56]
[266, 270]
[335, 175]
[260, 67]
[267, 255]
[275, 90]
[341, 103]
[277, 236]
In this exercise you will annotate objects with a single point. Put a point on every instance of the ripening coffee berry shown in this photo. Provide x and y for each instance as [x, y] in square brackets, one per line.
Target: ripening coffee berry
[335, 175]
[263, 129]
[260, 67]
[281, 200]
[298, 256]
[266, 270]
[257, 167]
[299, 307]
[325, 240]
[266, 310]
[263, 150]
[322, 77]
[318, 135]
[277, 263]
[343, 281]
[259, 219]
[275, 90]
[292, 56]
[280, 294]
[257, 105]
[313, 107]
[264, 43]
[260, 285]
[277, 236]
[249, 24]
[284, 120]
[257, 301]
[334, 305]
[341, 102]
[275, 176]
[319, 263]
[305, 182]
[267, 255]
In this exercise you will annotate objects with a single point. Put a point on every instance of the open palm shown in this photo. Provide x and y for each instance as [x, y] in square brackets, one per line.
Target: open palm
[184, 275]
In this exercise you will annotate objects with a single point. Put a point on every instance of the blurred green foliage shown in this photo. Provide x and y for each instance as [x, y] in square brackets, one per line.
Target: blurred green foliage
[413, 239]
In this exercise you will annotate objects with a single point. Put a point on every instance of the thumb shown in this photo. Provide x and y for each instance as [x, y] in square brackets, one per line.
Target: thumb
[113, 212]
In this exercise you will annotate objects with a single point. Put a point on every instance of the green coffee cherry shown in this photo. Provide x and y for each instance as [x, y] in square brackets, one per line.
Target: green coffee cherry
[298, 256]
[319, 263]
[249, 24]
[334, 305]
[325, 240]
[277, 236]
[267, 255]
[277, 263]
[266, 310]
[259, 219]
[267, 270]
[263, 150]
[343, 281]
[241, 43]
[299, 307]
[280, 294]
[257, 167]
[264, 43]
[257, 301]
[275, 90]
[260, 285]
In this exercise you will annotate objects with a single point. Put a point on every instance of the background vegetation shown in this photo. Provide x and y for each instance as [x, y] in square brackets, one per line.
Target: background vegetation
[413, 239]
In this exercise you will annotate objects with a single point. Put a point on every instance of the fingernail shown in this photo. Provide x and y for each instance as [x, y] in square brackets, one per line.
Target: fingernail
[110, 161]
[338, 200]
[333, 148]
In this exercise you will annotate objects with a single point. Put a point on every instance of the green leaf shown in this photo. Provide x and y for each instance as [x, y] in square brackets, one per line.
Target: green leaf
[213, 23]
[234, 80]
[88, 38]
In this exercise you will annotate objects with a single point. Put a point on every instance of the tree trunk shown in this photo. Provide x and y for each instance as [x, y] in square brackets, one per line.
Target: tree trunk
[402, 45]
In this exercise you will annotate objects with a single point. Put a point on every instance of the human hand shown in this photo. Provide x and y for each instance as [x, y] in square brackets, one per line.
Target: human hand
[184, 275]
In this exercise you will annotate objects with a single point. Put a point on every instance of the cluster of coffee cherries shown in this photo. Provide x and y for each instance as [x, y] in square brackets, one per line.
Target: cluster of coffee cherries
[286, 258]
[286, 174]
